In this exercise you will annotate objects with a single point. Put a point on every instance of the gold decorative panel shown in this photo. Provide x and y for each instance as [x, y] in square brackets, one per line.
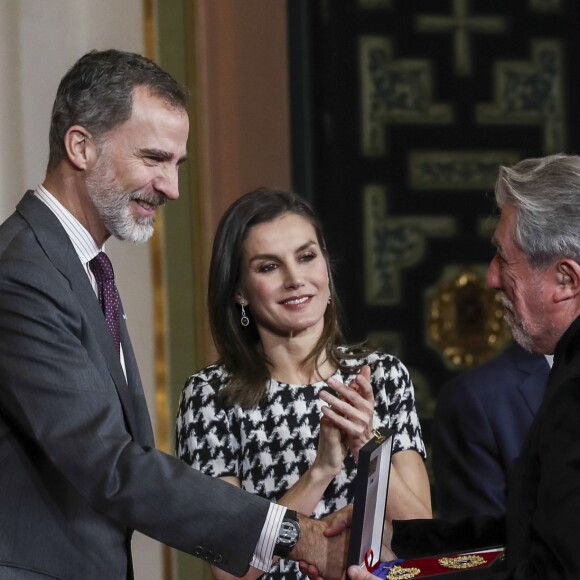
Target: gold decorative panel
[394, 243]
[530, 93]
[461, 25]
[394, 91]
[457, 170]
[464, 317]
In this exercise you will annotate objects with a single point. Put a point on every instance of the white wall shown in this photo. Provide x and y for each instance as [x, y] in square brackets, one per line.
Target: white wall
[11, 166]
[39, 41]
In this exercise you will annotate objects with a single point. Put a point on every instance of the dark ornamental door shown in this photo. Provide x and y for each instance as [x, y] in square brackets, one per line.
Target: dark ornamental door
[403, 111]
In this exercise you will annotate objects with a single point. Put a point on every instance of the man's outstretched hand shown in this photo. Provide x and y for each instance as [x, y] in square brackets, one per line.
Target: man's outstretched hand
[338, 523]
[358, 573]
[354, 572]
[323, 546]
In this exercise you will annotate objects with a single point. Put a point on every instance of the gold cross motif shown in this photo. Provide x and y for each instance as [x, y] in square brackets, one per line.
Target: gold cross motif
[461, 25]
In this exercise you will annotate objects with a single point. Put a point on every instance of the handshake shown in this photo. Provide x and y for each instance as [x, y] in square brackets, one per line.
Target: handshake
[323, 547]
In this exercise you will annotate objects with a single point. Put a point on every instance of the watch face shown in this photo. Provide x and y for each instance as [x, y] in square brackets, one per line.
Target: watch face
[289, 533]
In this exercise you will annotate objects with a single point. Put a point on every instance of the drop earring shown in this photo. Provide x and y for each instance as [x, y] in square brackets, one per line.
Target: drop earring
[244, 320]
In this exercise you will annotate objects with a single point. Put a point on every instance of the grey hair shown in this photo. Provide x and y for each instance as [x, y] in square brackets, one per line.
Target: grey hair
[97, 94]
[546, 195]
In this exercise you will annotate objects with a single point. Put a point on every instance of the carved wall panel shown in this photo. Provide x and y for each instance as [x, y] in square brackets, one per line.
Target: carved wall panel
[412, 108]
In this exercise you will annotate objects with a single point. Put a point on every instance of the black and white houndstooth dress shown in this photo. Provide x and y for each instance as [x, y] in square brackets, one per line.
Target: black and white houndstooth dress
[270, 446]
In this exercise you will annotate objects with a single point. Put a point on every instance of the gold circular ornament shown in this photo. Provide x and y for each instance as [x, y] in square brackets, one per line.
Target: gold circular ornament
[465, 318]
[400, 573]
[462, 562]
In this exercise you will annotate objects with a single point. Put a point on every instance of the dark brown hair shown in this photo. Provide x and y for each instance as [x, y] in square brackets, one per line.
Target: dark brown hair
[239, 347]
[97, 93]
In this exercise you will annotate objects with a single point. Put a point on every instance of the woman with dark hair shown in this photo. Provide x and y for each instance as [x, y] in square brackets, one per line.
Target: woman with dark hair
[279, 412]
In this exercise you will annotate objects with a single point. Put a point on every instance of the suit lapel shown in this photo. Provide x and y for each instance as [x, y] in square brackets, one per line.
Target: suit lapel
[566, 357]
[83, 290]
[59, 249]
[144, 435]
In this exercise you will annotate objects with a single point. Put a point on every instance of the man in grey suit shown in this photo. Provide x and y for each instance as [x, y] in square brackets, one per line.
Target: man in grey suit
[79, 469]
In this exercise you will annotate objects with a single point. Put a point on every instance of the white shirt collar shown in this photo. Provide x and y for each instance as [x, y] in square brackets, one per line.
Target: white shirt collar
[81, 239]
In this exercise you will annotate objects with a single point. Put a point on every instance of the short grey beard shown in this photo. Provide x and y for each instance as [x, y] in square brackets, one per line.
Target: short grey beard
[520, 335]
[520, 332]
[112, 203]
[124, 227]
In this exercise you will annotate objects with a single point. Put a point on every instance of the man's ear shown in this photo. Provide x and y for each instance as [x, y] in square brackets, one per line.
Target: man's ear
[80, 147]
[568, 279]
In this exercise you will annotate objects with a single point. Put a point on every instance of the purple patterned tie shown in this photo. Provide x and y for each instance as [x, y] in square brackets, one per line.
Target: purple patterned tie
[108, 293]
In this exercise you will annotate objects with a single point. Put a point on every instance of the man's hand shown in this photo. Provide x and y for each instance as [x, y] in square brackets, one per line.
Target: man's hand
[338, 522]
[323, 544]
[354, 573]
[357, 573]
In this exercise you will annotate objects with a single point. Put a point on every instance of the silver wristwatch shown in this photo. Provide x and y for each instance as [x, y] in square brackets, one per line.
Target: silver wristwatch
[288, 535]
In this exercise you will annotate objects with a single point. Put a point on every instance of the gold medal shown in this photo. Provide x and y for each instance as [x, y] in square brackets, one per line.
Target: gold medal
[462, 562]
[400, 573]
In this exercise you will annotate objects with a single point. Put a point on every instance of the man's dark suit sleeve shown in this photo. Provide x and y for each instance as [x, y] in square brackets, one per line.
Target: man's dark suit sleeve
[542, 532]
[418, 538]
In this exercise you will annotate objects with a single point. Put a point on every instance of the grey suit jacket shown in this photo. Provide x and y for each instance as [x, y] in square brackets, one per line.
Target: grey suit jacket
[78, 467]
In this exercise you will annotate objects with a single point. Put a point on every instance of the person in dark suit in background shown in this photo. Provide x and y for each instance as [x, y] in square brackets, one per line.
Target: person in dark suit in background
[481, 421]
[79, 469]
